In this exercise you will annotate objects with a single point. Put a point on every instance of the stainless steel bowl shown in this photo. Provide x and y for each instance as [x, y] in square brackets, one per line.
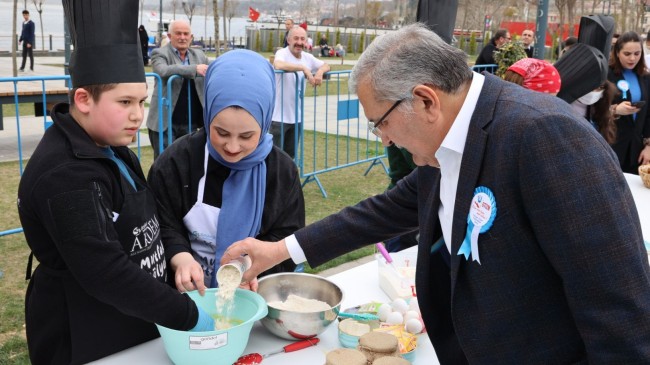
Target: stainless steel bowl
[294, 325]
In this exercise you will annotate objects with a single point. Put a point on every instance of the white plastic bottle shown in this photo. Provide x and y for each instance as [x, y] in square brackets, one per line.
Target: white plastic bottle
[231, 274]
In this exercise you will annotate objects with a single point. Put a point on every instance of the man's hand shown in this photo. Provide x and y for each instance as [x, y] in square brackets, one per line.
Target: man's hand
[189, 274]
[264, 255]
[29, 45]
[318, 79]
[201, 69]
[309, 76]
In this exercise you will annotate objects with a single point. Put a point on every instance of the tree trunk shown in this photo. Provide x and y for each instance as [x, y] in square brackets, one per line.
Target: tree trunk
[14, 43]
[215, 14]
[225, 31]
[40, 19]
[561, 4]
[571, 4]
[464, 25]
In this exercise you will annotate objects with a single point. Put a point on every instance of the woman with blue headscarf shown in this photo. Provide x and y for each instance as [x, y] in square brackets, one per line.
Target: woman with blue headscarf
[226, 181]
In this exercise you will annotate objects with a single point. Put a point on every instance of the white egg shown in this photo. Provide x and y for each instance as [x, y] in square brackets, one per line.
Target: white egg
[414, 305]
[383, 311]
[411, 315]
[399, 305]
[414, 326]
[395, 318]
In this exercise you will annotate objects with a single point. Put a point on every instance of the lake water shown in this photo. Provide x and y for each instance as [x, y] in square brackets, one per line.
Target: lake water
[202, 27]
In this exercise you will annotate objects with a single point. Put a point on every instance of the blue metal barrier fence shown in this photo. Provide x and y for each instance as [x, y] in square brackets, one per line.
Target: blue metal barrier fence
[337, 131]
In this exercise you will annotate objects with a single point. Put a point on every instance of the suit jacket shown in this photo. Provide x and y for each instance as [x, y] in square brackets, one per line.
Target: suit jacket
[28, 33]
[166, 64]
[529, 50]
[564, 275]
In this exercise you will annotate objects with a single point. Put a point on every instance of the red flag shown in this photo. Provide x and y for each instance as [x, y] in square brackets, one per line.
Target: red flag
[253, 14]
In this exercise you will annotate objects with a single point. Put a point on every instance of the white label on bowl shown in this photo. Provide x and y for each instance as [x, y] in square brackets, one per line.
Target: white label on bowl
[208, 342]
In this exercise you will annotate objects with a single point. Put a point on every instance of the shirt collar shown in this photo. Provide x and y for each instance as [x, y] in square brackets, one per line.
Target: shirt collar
[178, 54]
[457, 135]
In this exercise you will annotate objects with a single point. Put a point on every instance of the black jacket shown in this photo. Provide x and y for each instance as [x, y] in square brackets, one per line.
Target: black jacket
[174, 179]
[86, 299]
[486, 57]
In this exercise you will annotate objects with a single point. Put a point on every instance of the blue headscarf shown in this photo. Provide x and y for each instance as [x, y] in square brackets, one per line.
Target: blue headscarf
[241, 78]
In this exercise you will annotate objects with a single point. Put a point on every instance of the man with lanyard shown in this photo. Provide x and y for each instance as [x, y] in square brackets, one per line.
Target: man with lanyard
[177, 58]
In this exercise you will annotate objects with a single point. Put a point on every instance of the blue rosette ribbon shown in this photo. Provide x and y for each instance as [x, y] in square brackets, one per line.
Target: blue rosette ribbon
[482, 212]
[624, 87]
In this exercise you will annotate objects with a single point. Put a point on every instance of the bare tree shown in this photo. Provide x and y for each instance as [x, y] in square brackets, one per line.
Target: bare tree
[39, 8]
[624, 12]
[280, 19]
[189, 8]
[14, 41]
[571, 5]
[225, 31]
[639, 13]
[561, 9]
[337, 4]
[141, 9]
[215, 14]
[232, 11]
[305, 9]
[373, 11]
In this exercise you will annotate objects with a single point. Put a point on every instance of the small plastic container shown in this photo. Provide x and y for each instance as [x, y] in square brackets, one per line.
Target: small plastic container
[394, 285]
[232, 272]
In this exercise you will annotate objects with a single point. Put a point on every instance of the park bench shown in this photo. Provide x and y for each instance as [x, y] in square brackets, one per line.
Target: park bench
[52, 97]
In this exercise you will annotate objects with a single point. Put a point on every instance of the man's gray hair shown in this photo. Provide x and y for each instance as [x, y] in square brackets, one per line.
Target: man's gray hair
[173, 23]
[396, 62]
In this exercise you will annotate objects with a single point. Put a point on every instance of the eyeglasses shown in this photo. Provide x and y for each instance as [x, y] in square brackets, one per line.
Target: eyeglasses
[374, 127]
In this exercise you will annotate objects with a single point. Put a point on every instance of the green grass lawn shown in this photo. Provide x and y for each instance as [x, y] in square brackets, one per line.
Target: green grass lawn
[344, 187]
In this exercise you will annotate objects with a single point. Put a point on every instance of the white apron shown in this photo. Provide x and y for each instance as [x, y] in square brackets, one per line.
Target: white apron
[201, 223]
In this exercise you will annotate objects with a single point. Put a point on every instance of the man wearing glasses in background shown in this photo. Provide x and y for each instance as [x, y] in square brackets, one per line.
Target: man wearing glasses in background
[530, 250]
[486, 57]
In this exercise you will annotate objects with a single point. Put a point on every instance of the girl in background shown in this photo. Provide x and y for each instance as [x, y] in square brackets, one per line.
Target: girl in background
[627, 71]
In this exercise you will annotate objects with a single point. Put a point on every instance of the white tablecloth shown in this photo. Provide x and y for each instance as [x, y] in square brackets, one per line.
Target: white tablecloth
[642, 199]
[360, 285]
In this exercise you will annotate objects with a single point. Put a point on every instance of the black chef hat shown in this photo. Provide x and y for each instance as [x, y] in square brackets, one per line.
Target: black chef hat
[582, 69]
[106, 42]
[597, 31]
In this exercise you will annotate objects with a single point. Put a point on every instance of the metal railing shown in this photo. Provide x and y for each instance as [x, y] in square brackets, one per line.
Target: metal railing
[487, 68]
[17, 100]
[338, 138]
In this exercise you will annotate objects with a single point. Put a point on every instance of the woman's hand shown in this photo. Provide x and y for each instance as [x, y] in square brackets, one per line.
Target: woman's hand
[189, 274]
[644, 157]
[625, 108]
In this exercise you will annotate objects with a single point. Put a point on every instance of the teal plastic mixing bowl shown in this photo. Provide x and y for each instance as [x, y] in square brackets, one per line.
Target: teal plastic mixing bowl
[215, 347]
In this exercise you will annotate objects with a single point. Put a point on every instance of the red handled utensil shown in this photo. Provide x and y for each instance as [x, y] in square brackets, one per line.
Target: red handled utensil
[255, 358]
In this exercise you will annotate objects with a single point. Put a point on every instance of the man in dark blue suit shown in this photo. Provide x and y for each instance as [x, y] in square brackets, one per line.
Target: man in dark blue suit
[27, 37]
[530, 250]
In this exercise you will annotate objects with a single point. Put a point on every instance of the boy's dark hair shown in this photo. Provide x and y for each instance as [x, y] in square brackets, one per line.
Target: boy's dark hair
[95, 91]
[26, 12]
